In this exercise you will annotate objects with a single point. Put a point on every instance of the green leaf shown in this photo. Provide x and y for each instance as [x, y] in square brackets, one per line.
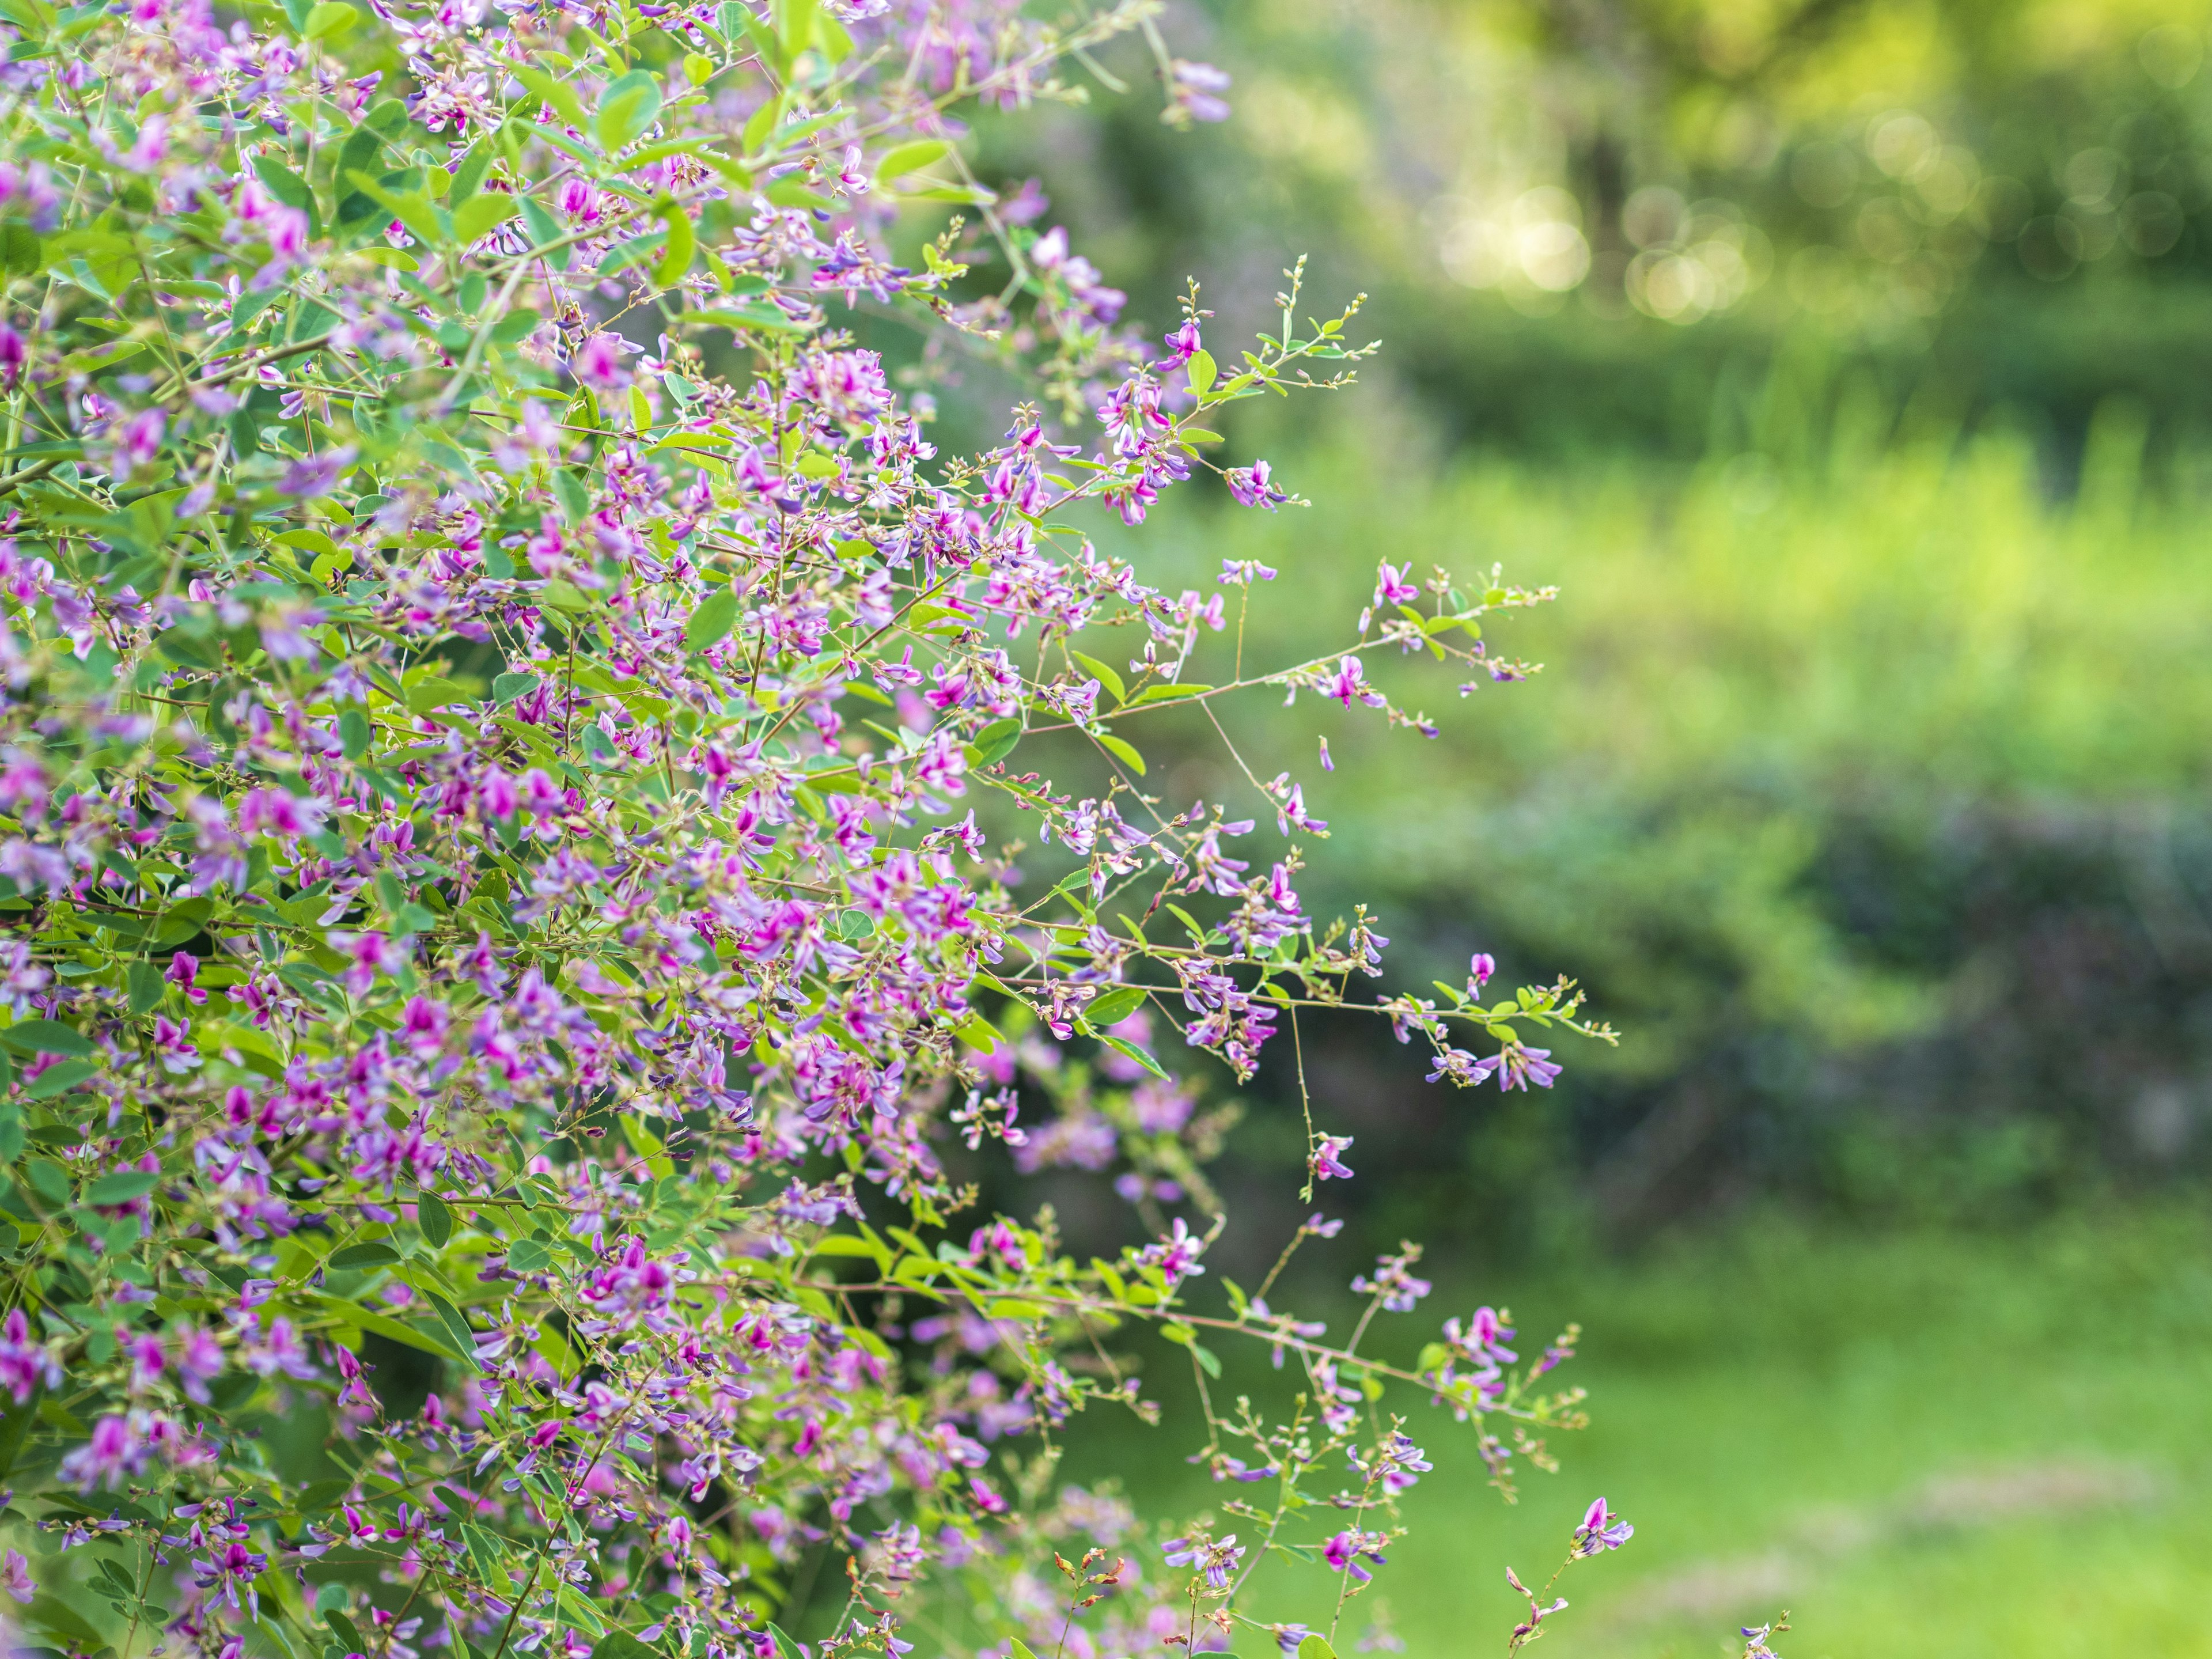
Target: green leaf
[994, 742]
[569, 488]
[354, 732]
[145, 983]
[629, 105]
[711, 620]
[477, 217]
[464, 1338]
[60, 1078]
[1130, 1051]
[903, 159]
[374, 1253]
[1208, 1360]
[1315, 1647]
[557, 94]
[736, 318]
[1121, 751]
[331, 17]
[1166, 693]
[682, 244]
[411, 207]
[1106, 676]
[527, 1255]
[1202, 372]
[469, 177]
[122, 1187]
[505, 688]
[435, 693]
[44, 1037]
[1114, 1006]
[286, 186]
[434, 1217]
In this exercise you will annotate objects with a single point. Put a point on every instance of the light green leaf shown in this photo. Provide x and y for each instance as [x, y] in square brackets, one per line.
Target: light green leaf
[682, 244]
[994, 742]
[903, 159]
[478, 216]
[1105, 675]
[1121, 751]
[1113, 1006]
[1201, 371]
[329, 18]
[711, 621]
[629, 105]
[1167, 694]
[558, 93]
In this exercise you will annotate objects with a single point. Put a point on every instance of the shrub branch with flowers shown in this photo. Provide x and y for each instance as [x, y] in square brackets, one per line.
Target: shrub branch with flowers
[506, 954]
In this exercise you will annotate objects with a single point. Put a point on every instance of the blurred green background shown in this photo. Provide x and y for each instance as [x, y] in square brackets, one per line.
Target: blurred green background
[1848, 366]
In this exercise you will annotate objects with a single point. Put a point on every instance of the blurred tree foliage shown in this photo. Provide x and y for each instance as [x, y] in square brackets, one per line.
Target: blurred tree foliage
[1594, 215]
[1845, 363]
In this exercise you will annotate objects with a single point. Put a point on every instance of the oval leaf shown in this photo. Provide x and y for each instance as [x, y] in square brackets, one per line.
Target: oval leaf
[711, 621]
[1121, 751]
[44, 1037]
[122, 1187]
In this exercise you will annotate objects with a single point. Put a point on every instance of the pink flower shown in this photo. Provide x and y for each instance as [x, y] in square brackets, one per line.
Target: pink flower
[598, 363]
[139, 440]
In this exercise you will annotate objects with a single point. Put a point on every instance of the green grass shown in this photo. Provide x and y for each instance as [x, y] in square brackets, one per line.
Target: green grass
[1938, 1444]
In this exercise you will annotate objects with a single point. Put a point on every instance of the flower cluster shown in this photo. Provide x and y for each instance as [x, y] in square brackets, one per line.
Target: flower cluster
[514, 748]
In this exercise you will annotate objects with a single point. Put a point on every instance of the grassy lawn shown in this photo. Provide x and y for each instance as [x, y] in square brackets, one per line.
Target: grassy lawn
[1952, 1445]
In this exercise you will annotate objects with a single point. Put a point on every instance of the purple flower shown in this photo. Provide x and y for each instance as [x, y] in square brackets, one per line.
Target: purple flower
[15, 1576]
[1324, 1161]
[1182, 345]
[1252, 486]
[315, 475]
[1194, 92]
[277, 1352]
[598, 363]
[1349, 685]
[1600, 1530]
[199, 1362]
[139, 440]
[1479, 968]
[1216, 1560]
[25, 1364]
[1518, 1067]
[184, 966]
[283, 627]
[1345, 1550]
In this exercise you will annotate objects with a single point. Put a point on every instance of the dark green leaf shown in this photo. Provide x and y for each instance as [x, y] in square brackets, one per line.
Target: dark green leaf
[1130, 1051]
[1114, 1006]
[434, 1218]
[374, 1253]
[122, 1186]
[146, 984]
[35, 1037]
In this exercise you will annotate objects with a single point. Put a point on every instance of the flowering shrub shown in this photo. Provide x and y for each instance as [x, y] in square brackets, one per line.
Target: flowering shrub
[511, 737]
